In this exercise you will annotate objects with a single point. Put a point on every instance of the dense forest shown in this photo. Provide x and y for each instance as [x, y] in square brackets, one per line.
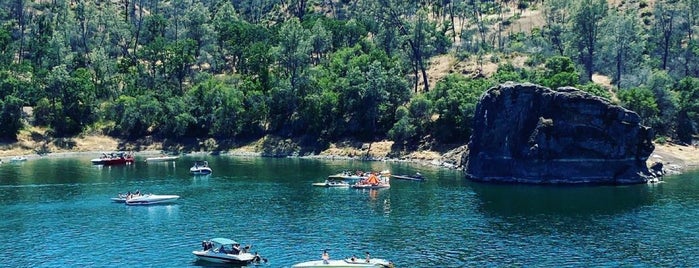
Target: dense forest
[329, 70]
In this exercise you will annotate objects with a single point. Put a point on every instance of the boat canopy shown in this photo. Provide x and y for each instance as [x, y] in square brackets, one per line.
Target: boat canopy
[224, 241]
[373, 179]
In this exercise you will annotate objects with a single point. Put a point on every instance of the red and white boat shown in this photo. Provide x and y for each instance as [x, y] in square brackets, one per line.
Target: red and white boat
[117, 158]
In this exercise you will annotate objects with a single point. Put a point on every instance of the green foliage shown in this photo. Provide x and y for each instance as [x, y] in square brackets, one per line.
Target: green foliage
[560, 72]
[688, 115]
[10, 117]
[642, 101]
[403, 131]
[328, 70]
[596, 90]
[455, 99]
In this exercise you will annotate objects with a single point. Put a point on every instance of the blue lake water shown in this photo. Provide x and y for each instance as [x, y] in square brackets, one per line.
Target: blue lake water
[56, 212]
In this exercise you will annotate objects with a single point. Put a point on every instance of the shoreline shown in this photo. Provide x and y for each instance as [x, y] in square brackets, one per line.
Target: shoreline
[676, 159]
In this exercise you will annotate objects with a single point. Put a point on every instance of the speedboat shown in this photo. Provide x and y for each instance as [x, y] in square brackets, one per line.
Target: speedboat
[416, 177]
[224, 250]
[346, 263]
[200, 168]
[118, 158]
[332, 183]
[150, 199]
[18, 159]
[349, 175]
[163, 158]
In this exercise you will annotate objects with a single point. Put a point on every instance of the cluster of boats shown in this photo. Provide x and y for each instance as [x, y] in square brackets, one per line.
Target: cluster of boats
[365, 180]
[124, 158]
[228, 251]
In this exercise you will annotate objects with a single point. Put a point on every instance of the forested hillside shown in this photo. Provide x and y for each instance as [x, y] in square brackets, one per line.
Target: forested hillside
[329, 70]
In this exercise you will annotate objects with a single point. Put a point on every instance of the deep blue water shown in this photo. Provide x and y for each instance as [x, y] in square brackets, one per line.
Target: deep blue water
[56, 212]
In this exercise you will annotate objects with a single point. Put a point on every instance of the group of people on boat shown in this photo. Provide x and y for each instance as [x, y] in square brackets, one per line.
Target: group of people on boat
[326, 258]
[235, 249]
[115, 155]
[128, 195]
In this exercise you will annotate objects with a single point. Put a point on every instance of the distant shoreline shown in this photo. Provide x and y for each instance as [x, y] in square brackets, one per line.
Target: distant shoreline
[676, 159]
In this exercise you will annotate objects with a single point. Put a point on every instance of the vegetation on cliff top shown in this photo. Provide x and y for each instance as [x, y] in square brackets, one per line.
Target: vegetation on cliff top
[326, 71]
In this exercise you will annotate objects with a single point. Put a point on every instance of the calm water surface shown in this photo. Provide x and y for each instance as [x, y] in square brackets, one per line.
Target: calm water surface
[56, 212]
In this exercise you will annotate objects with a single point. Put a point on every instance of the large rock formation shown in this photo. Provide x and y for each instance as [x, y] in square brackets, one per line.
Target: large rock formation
[532, 134]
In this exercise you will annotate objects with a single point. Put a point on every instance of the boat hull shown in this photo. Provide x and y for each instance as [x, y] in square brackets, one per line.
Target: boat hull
[409, 178]
[162, 159]
[368, 186]
[343, 264]
[332, 184]
[204, 171]
[104, 161]
[151, 200]
[240, 259]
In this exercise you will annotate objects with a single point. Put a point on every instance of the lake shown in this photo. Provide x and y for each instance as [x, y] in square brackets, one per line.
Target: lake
[56, 212]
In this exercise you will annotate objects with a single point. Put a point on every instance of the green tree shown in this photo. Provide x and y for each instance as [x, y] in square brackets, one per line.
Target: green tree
[587, 24]
[455, 99]
[688, 112]
[560, 72]
[10, 117]
[642, 101]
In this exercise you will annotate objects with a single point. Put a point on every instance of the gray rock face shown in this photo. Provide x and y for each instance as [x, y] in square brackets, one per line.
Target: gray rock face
[531, 134]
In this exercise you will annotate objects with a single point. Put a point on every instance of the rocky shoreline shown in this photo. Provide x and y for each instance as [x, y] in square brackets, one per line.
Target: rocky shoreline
[676, 159]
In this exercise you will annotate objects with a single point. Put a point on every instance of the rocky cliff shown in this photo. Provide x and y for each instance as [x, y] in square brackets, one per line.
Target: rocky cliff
[532, 134]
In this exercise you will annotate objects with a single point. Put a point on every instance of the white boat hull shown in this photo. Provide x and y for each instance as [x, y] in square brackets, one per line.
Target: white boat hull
[369, 186]
[161, 158]
[346, 263]
[210, 256]
[151, 199]
[331, 184]
[201, 171]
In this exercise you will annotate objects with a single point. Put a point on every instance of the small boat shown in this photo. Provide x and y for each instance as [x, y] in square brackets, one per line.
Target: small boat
[117, 158]
[18, 159]
[346, 263]
[332, 183]
[350, 176]
[163, 158]
[224, 250]
[200, 168]
[357, 175]
[150, 199]
[373, 182]
[416, 177]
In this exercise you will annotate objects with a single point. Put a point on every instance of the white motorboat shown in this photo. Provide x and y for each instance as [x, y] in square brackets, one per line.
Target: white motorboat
[224, 250]
[150, 199]
[416, 177]
[332, 183]
[18, 159]
[200, 168]
[162, 158]
[346, 263]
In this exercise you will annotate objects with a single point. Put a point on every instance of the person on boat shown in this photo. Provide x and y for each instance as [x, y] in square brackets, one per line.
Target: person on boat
[325, 257]
[222, 249]
[368, 257]
[354, 258]
[236, 249]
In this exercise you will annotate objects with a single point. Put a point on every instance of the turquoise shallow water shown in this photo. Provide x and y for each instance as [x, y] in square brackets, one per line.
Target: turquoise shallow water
[56, 212]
